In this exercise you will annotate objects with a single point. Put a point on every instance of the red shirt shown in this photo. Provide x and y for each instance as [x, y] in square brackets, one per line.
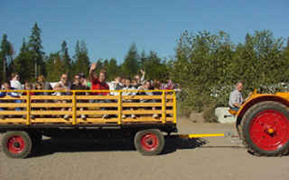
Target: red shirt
[96, 85]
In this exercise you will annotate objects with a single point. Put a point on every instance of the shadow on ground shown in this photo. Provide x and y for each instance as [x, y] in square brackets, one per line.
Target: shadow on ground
[50, 146]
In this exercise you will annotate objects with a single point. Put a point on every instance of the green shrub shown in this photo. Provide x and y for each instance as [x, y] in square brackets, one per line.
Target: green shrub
[209, 113]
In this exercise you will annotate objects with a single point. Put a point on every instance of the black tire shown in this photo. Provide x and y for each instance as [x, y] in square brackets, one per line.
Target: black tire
[149, 142]
[247, 122]
[21, 146]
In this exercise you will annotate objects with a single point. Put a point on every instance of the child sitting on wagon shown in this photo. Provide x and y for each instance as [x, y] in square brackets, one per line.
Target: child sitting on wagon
[145, 90]
[6, 86]
[128, 90]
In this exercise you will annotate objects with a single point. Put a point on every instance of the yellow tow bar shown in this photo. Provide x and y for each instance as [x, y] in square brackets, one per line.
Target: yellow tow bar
[190, 136]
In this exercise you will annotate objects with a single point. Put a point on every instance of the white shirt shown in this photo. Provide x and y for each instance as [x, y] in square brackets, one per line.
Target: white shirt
[16, 84]
[235, 98]
[112, 86]
[128, 93]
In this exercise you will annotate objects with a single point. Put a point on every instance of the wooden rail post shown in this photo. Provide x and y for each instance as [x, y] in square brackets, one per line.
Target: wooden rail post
[73, 108]
[175, 107]
[119, 108]
[28, 108]
[163, 107]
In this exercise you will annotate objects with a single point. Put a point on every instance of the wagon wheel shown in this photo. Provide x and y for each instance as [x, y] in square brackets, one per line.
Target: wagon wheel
[17, 144]
[149, 142]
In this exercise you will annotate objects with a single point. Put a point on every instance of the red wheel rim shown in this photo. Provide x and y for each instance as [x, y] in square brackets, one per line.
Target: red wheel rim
[269, 130]
[149, 142]
[15, 144]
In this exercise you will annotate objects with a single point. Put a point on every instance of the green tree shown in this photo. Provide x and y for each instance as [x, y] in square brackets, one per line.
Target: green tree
[105, 64]
[285, 77]
[202, 68]
[82, 62]
[208, 65]
[65, 58]
[130, 66]
[36, 50]
[55, 66]
[6, 52]
[23, 64]
[154, 67]
[112, 69]
[259, 61]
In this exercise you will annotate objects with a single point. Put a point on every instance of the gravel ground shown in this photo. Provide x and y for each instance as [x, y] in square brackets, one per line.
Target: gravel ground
[210, 158]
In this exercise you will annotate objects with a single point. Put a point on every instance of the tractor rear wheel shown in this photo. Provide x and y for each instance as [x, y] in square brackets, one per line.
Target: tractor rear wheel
[265, 129]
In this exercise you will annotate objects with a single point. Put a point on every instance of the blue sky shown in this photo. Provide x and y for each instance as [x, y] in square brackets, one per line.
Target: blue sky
[109, 27]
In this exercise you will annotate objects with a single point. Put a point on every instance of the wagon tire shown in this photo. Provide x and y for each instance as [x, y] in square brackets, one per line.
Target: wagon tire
[149, 142]
[265, 129]
[17, 144]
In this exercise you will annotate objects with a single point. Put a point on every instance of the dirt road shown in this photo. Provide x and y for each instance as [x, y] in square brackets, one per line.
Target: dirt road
[210, 158]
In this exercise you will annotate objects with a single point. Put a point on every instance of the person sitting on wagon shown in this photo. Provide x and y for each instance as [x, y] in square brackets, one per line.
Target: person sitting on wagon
[28, 86]
[144, 90]
[128, 90]
[115, 85]
[6, 86]
[78, 85]
[236, 98]
[14, 83]
[98, 83]
[84, 81]
[44, 84]
[62, 85]
[139, 80]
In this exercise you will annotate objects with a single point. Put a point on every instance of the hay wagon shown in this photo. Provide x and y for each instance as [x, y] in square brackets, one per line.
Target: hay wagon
[25, 116]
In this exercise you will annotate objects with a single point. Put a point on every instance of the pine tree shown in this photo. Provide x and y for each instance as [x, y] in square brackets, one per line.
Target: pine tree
[105, 65]
[65, 58]
[36, 50]
[55, 67]
[23, 64]
[82, 63]
[143, 59]
[130, 66]
[6, 52]
[154, 67]
[112, 69]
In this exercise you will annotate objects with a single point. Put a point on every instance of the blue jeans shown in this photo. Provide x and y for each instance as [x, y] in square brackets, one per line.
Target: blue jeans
[234, 108]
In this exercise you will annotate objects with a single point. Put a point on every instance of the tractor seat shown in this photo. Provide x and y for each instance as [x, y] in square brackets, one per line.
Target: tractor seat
[233, 112]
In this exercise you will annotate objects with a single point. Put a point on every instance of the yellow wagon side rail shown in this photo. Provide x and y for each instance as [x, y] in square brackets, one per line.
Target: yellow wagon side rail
[86, 107]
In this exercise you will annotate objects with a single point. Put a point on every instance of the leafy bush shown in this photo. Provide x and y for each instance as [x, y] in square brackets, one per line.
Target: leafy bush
[207, 66]
[209, 113]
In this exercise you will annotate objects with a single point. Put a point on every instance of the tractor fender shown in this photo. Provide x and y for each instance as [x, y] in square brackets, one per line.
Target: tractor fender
[260, 98]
